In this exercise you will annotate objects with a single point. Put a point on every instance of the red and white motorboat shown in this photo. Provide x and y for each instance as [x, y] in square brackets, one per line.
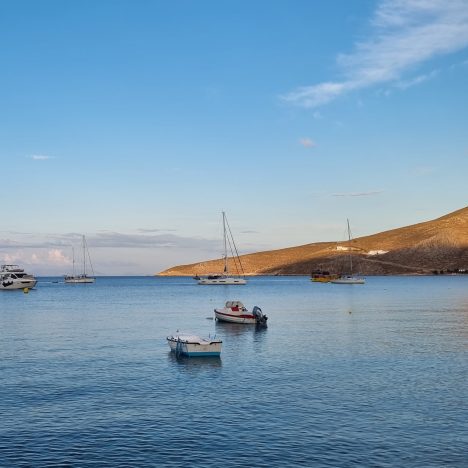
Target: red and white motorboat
[235, 312]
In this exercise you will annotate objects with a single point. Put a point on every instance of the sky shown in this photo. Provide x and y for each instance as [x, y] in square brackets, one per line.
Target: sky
[136, 123]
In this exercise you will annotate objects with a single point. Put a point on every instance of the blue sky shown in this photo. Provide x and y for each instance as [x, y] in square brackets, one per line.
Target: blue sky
[137, 122]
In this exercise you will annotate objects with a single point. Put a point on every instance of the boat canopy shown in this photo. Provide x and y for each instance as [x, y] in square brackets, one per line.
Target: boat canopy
[15, 268]
[231, 304]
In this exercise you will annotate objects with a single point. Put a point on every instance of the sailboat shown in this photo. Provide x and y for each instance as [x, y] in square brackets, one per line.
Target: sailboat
[226, 277]
[349, 279]
[82, 277]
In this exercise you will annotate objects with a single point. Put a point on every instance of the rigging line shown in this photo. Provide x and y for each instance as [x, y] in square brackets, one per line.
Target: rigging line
[232, 255]
[235, 247]
[231, 242]
[89, 257]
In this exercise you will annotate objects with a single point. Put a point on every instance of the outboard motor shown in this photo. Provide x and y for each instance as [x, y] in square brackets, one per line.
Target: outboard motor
[259, 316]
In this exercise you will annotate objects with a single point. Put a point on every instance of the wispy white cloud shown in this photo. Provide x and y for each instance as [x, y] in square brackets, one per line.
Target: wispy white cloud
[149, 231]
[102, 239]
[307, 143]
[40, 157]
[405, 33]
[405, 84]
[358, 194]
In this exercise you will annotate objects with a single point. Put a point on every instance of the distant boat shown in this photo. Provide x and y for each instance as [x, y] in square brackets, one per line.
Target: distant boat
[235, 312]
[14, 277]
[225, 277]
[349, 278]
[193, 345]
[321, 276]
[82, 277]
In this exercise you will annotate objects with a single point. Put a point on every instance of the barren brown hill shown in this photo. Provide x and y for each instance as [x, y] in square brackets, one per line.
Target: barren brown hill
[441, 244]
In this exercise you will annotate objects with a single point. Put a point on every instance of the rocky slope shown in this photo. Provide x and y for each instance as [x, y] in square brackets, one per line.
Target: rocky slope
[441, 244]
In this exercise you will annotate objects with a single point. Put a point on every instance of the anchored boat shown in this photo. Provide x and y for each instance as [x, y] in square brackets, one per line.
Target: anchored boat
[83, 277]
[193, 345]
[14, 277]
[235, 312]
[321, 276]
[349, 278]
[226, 277]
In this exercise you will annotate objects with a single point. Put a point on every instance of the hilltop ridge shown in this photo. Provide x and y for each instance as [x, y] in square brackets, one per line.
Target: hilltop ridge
[439, 244]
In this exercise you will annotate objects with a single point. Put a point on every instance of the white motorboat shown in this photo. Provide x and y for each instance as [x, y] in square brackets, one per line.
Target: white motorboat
[236, 312]
[14, 277]
[225, 277]
[349, 278]
[82, 277]
[193, 345]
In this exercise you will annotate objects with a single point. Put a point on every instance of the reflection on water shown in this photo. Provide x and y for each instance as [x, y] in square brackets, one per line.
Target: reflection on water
[194, 362]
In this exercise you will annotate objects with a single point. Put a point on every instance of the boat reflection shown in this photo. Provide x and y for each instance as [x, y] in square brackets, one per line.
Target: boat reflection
[237, 329]
[194, 363]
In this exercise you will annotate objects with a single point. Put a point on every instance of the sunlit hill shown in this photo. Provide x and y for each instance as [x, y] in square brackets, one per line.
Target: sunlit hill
[424, 248]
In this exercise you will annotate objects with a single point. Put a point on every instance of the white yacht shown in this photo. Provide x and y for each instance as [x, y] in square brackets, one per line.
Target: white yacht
[14, 277]
[82, 277]
[349, 278]
[225, 277]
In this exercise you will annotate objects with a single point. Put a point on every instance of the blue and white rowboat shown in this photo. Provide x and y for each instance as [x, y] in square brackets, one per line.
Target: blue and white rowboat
[193, 345]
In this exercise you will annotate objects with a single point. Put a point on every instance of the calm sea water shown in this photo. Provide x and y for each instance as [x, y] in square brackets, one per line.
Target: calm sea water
[372, 375]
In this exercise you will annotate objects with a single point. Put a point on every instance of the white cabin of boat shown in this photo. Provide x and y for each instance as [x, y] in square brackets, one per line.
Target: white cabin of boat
[14, 277]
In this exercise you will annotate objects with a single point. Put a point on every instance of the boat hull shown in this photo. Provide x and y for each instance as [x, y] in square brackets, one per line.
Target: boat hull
[221, 281]
[323, 279]
[349, 280]
[190, 349]
[17, 284]
[79, 280]
[234, 318]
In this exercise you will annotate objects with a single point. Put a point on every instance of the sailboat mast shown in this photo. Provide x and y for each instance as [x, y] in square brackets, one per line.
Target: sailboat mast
[349, 249]
[73, 255]
[84, 257]
[225, 244]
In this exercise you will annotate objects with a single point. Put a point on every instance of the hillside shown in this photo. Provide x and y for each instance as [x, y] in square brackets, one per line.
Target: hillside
[440, 244]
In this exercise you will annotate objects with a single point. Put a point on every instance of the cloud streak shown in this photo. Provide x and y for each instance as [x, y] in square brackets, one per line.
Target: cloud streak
[40, 157]
[405, 33]
[358, 194]
[103, 240]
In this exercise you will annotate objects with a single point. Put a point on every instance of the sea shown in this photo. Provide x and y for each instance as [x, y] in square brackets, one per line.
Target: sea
[343, 375]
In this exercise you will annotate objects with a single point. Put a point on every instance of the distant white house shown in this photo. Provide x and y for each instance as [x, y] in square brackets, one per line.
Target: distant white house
[347, 248]
[377, 252]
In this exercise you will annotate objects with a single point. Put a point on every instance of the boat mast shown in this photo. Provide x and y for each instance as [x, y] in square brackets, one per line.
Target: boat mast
[225, 244]
[349, 249]
[84, 257]
[73, 255]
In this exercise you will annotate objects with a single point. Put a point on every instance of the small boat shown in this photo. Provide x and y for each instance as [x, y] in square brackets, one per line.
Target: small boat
[349, 278]
[321, 276]
[235, 312]
[14, 277]
[193, 345]
[82, 277]
[225, 277]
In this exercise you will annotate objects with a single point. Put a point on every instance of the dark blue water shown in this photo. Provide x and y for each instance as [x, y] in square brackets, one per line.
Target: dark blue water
[372, 375]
